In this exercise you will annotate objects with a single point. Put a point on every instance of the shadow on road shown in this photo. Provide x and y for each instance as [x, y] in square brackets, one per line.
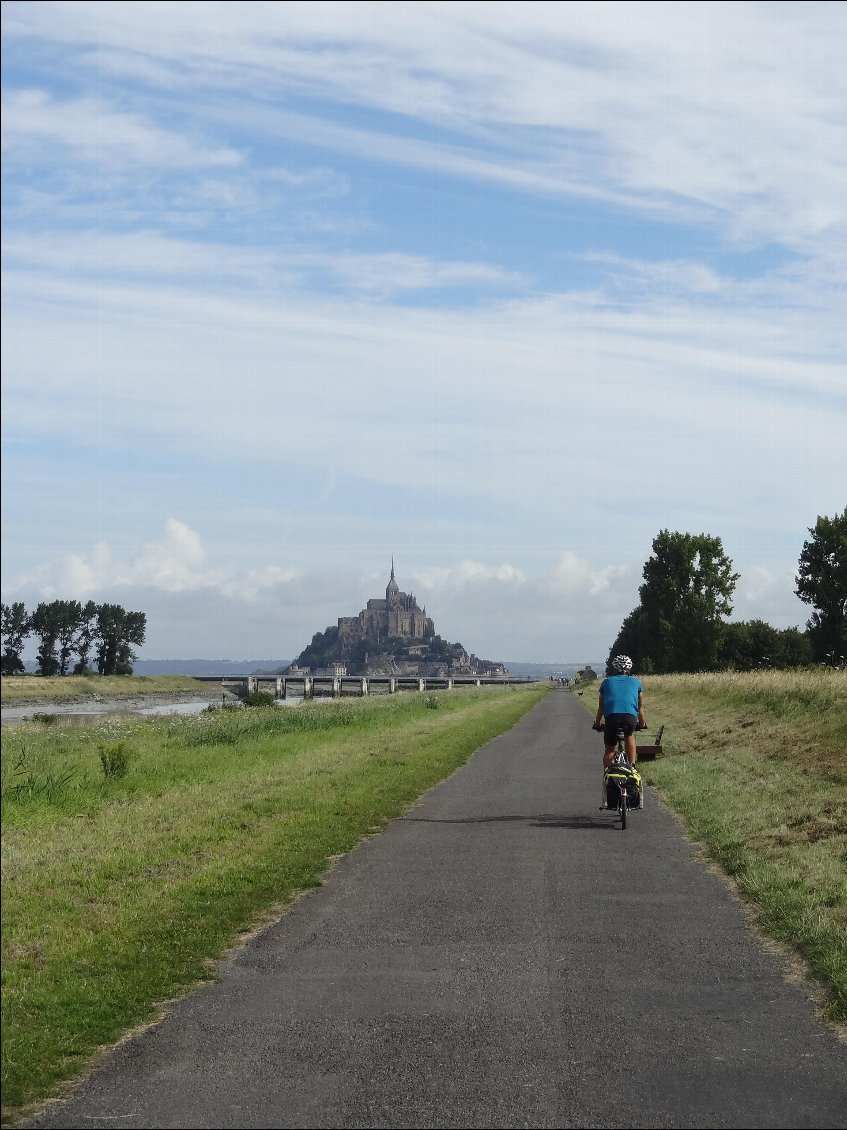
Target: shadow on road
[543, 820]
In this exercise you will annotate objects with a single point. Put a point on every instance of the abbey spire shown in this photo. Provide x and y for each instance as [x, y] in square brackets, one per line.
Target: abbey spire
[393, 588]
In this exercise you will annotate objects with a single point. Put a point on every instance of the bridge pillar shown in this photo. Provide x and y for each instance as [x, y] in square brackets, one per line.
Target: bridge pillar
[252, 684]
[449, 684]
[479, 682]
[365, 687]
[392, 685]
[421, 684]
[336, 687]
[308, 687]
[282, 691]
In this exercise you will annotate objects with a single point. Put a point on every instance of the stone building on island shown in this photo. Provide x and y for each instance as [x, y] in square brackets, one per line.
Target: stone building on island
[398, 616]
[391, 635]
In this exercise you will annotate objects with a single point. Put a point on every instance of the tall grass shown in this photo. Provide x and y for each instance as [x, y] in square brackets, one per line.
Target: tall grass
[32, 688]
[135, 850]
[756, 766]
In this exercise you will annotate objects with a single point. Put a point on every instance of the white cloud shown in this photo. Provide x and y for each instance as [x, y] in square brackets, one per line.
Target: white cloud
[498, 403]
[572, 611]
[574, 577]
[465, 573]
[732, 109]
[498, 429]
[171, 562]
[150, 256]
[36, 126]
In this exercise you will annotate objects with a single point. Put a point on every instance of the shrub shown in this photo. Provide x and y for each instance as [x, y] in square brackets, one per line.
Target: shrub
[44, 718]
[260, 698]
[114, 759]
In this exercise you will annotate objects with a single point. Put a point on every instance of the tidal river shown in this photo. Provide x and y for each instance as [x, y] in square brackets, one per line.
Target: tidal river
[90, 710]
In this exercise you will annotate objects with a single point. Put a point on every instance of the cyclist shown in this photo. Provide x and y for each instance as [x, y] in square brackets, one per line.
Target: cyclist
[622, 706]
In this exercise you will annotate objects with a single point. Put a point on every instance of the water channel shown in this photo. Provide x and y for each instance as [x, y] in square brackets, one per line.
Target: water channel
[90, 711]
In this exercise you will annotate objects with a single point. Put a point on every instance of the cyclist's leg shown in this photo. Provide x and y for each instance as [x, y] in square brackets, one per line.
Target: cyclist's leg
[626, 723]
[631, 749]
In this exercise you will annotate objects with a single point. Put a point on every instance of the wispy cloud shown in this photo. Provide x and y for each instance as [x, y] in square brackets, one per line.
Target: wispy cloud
[675, 102]
[174, 561]
[36, 125]
[520, 284]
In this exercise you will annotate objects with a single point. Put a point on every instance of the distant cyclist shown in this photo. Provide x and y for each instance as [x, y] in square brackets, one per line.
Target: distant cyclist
[622, 706]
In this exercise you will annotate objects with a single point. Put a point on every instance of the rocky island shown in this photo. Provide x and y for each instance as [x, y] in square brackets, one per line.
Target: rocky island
[391, 635]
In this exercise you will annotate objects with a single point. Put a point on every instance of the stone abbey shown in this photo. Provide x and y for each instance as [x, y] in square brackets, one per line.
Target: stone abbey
[398, 616]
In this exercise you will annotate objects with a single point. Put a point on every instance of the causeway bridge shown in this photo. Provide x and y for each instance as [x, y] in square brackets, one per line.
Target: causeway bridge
[334, 686]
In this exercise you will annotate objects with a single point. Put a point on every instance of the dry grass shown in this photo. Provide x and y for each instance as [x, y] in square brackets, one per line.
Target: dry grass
[756, 766]
[34, 688]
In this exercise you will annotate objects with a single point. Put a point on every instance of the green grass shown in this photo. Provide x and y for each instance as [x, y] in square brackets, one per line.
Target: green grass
[756, 768]
[32, 688]
[119, 889]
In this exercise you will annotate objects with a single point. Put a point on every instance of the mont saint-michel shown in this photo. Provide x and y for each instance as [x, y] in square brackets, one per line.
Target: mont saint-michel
[391, 635]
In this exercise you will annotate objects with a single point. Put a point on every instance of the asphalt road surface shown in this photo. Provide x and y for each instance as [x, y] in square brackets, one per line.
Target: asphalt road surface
[503, 956]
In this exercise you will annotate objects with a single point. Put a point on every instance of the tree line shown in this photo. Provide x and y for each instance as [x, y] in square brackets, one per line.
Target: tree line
[66, 629]
[680, 623]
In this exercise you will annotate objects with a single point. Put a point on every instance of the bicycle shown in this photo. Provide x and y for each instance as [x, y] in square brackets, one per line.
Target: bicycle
[622, 786]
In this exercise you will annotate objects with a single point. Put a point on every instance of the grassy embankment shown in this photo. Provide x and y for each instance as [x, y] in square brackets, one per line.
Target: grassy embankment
[22, 689]
[119, 889]
[756, 766]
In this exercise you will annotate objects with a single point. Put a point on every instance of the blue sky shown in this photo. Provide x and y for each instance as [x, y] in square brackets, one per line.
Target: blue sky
[499, 289]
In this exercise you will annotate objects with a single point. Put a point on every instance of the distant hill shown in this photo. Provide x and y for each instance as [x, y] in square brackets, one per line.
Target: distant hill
[208, 666]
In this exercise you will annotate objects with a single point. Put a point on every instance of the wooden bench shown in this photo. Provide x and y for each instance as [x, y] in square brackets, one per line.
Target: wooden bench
[651, 752]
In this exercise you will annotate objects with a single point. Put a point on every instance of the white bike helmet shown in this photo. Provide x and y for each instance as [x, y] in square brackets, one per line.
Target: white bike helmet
[621, 664]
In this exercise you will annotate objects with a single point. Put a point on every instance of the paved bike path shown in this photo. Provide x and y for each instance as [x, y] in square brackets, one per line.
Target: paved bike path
[502, 956]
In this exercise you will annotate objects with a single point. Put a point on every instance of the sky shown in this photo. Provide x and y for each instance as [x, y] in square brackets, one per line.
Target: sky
[501, 290]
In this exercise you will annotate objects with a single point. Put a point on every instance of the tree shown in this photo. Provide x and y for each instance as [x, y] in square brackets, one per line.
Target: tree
[117, 629]
[751, 644]
[68, 615]
[637, 639]
[46, 624]
[822, 583]
[84, 641]
[796, 648]
[687, 591]
[321, 651]
[14, 627]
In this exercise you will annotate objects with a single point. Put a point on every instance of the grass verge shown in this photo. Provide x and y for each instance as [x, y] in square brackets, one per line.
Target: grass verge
[34, 688]
[136, 850]
[755, 766]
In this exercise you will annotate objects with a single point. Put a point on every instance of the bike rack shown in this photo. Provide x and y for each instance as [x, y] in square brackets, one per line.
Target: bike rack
[651, 752]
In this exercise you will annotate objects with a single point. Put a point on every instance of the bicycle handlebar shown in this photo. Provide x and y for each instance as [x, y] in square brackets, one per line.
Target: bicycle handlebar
[600, 728]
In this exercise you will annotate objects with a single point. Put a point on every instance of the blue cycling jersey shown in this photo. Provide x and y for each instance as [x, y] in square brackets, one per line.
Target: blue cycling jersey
[620, 694]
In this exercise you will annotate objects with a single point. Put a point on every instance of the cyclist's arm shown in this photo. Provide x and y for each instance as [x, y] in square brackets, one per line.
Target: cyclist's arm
[641, 721]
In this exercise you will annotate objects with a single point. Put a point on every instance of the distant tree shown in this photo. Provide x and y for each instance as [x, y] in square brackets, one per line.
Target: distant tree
[46, 625]
[822, 583]
[687, 592]
[439, 650]
[14, 627]
[638, 639]
[321, 651]
[84, 641]
[750, 644]
[68, 614]
[796, 648]
[117, 631]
